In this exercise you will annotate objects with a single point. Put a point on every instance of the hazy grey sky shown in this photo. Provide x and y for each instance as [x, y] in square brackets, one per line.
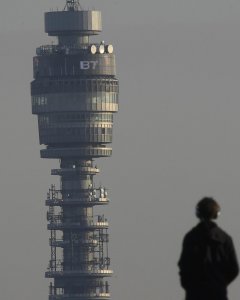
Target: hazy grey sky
[176, 139]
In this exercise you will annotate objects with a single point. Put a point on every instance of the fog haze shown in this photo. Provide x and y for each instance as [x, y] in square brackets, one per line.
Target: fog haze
[176, 139]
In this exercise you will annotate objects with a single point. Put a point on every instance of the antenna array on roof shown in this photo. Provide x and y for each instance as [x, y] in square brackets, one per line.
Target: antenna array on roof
[72, 5]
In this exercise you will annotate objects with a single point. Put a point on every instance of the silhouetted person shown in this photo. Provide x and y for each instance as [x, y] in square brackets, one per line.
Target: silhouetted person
[208, 262]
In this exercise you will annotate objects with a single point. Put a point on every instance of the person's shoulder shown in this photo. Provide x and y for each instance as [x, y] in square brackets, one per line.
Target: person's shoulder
[221, 235]
[222, 231]
[192, 233]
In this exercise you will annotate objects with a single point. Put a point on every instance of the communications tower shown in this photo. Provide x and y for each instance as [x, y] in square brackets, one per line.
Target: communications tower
[74, 95]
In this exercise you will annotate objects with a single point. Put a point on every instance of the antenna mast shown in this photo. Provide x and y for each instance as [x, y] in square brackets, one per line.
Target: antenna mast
[72, 5]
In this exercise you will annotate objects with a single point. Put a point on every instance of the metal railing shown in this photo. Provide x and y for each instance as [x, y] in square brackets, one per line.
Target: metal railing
[94, 265]
[57, 49]
[92, 195]
[72, 273]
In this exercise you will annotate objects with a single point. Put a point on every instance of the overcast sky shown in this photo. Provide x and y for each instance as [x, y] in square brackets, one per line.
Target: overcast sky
[176, 139]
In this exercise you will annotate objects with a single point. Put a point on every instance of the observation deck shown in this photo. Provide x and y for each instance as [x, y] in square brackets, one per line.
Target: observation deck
[79, 23]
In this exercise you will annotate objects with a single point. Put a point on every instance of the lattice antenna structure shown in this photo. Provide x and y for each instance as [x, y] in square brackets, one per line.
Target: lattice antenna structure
[72, 5]
[74, 96]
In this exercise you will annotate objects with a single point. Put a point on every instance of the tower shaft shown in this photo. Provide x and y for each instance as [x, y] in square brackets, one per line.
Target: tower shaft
[74, 95]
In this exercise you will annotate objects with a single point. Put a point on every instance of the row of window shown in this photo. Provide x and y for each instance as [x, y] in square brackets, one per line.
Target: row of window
[39, 100]
[91, 152]
[84, 85]
[74, 137]
[57, 70]
[94, 98]
[76, 131]
[75, 117]
[103, 107]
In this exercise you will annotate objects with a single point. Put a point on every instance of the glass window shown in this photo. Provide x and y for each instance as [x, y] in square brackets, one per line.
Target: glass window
[107, 97]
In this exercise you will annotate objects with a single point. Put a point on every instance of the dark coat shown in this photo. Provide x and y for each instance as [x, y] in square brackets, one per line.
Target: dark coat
[208, 263]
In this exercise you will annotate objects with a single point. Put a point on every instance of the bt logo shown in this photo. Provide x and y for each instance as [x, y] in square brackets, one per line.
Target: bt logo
[88, 64]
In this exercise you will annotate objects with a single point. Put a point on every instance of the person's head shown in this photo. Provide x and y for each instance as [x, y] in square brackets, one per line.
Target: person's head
[207, 209]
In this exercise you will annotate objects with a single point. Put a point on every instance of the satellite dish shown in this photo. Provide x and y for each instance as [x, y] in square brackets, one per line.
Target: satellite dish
[101, 49]
[109, 48]
[93, 49]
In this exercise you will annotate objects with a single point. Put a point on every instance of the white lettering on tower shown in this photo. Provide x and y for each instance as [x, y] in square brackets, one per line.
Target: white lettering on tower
[88, 64]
